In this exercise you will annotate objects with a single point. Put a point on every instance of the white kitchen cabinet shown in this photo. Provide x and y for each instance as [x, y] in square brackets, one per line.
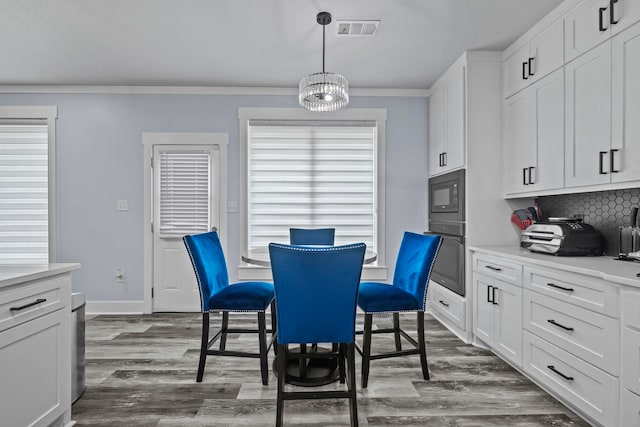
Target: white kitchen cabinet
[448, 305]
[629, 409]
[543, 55]
[498, 316]
[447, 122]
[588, 118]
[595, 21]
[533, 131]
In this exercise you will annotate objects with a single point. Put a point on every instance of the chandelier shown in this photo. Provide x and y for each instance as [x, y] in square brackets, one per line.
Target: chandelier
[323, 91]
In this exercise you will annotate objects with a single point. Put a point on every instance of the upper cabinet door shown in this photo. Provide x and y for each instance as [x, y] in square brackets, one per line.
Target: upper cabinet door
[437, 129]
[587, 25]
[516, 72]
[588, 118]
[625, 13]
[546, 52]
[454, 154]
[518, 142]
[626, 105]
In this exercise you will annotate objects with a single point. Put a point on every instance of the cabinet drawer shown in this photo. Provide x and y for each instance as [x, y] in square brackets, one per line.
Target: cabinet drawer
[589, 389]
[583, 291]
[629, 409]
[631, 359]
[588, 335]
[631, 309]
[450, 305]
[34, 300]
[498, 268]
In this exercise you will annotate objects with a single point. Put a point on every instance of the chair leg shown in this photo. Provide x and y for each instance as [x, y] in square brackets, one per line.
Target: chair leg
[351, 384]
[225, 328]
[423, 346]
[342, 354]
[274, 324]
[262, 341]
[366, 348]
[203, 346]
[282, 372]
[396, 331]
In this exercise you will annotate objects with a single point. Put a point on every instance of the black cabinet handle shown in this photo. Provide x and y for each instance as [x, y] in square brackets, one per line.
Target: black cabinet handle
[493, 296]
[530, 174]
[525, 74]
[601, 162]
[441, 161]
[443, 303]
[31, 304]
[611, 162]
[612, 15]
[601, 19]
[530, 62]
[444, 158]
[491, 267]
[553, 322]
[524, 176]
[489, 293]
[552, 368]
[553, 285]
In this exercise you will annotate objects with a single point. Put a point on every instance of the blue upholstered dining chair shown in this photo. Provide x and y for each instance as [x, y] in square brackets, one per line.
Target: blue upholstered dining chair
[312, 236]
[217, 295]
[316, 293]
[407, 293]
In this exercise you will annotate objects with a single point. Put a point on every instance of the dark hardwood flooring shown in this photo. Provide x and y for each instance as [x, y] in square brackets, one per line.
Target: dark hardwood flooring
[140, 371]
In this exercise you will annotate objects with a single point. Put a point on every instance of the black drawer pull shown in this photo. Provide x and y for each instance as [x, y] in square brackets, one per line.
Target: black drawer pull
[552, 368]
[612, 14]
[525, 74]
[611, 161]
[489, 293]
[490, 267]
[601, 163]
[553, 322]
[493, 296]
[443, 303]
[601, 26]
[530, 62]
[553, 285]
[31, 304]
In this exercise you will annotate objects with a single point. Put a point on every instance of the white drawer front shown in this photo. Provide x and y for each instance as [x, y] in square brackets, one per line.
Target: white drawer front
[630, 371]
[629, 409]
[631, 308]
[588, 335]
[592, 391]
[498, 268]
[582, 291]
[450, 305]
[34, 300]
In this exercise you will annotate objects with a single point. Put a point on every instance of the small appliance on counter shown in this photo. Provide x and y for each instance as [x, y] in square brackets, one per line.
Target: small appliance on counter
[630, 239]
[562, 237]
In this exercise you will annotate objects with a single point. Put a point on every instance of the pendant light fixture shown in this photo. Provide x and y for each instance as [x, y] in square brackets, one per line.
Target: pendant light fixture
[323, 91]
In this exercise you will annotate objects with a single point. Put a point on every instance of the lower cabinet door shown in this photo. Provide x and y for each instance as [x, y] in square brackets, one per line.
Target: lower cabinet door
[484, 313]
[630, 409]
[508, 332]
[630, 371]
[591, 390]
[36, 371]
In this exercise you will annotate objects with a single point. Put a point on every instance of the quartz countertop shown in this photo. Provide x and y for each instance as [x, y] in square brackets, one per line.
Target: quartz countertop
[604, 267]
[14, 274]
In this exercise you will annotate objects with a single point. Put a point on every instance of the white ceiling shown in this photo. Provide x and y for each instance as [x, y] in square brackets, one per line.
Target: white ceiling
[247, 43]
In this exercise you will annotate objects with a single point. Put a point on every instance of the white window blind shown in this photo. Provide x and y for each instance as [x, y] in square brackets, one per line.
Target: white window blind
[184, 192]
[24, 192]
[312, 176]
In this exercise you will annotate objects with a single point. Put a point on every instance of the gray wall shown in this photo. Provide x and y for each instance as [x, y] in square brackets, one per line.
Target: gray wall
[99, 160]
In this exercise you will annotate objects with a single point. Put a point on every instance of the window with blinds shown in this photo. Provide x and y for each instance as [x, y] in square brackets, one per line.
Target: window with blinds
[312, 176]
[184, 192]
[24, 192]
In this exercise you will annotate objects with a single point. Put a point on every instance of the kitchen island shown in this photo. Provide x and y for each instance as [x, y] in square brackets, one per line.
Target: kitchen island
[35, 344]
[571, 324]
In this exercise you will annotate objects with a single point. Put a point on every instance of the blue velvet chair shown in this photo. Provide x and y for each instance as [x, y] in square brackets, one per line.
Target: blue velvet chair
[217, 295]
[407, 293]
[312, 236]
[316, 293]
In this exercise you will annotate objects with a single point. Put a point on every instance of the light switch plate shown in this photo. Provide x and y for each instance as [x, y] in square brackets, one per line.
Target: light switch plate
[232, 207]
[123, 205]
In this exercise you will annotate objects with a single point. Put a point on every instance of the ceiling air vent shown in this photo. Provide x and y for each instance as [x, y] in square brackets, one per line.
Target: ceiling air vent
[358, 28]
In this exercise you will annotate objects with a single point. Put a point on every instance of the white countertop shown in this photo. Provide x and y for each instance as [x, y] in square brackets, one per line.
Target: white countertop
[604, 267]
[13, 274]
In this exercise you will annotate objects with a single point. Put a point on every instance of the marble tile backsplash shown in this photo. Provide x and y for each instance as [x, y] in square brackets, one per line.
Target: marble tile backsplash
[605, 210]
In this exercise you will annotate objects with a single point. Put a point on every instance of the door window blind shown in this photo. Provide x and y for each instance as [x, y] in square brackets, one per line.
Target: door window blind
[24, 193]
[184, 192]
[312, 176]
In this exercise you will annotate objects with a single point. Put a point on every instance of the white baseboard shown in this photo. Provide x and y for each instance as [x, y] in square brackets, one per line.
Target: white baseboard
[114, 307]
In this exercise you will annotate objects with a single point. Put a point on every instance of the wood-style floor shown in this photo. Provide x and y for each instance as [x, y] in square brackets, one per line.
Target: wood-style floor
[140, 371]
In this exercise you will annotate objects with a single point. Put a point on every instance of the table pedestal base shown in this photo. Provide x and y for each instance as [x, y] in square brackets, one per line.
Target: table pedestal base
[316, 372]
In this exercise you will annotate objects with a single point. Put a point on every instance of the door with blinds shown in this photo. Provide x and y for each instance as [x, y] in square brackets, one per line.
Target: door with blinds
[186, 186]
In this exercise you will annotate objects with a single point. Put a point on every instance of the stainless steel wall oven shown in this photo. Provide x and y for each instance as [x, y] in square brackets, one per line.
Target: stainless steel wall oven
[447, 219]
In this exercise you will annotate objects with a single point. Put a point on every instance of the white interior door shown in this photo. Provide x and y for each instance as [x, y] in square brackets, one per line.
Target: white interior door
[186, 200]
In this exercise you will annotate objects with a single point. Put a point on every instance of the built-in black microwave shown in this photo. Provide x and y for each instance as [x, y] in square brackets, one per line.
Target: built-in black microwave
[446, 197]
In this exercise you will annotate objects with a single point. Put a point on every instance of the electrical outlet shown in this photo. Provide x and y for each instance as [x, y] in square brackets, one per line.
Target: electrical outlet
[232, 207]
[120, 275]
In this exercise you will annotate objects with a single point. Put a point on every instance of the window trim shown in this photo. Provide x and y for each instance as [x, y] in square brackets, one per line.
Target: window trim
[50, 114]
[377, 271]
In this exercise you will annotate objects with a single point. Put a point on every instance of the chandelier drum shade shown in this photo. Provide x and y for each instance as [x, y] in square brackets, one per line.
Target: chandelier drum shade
[323, 91]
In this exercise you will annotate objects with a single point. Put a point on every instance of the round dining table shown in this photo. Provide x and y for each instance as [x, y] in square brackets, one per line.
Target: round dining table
[311, 372]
